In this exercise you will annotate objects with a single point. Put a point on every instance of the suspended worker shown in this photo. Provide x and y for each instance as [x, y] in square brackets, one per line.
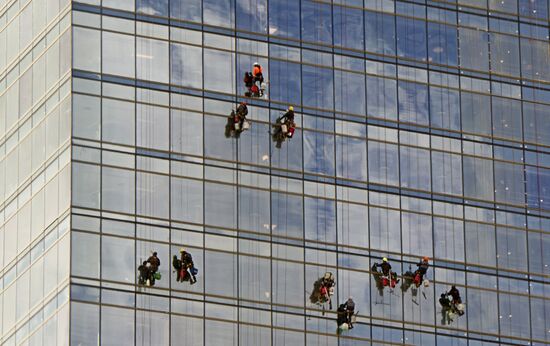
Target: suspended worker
[177, 264]
[188, 266]
[451, 305]
[240, 116]
[257, 73]
[154, 261]
[389, 278]
[385, 266]
[288, 120]
[455, 294]
[423, 266]
[350, 311]
[144, 273]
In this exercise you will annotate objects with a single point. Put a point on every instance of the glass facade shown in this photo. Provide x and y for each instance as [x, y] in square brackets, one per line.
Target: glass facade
[423, 130]
[35, 171]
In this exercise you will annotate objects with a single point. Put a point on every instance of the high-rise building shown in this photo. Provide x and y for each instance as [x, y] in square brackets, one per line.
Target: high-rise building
[423, 129]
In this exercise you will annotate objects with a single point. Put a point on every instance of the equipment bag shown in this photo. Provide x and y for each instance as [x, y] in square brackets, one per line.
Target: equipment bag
[291, 132]
[157, 276]
[194, 271]
[246, 125]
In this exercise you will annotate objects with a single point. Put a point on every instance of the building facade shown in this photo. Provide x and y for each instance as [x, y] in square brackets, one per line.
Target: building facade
[423, 130]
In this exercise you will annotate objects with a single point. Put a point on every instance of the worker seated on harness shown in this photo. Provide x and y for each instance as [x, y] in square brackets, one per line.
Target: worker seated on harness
[188, 269]
[257, 73]
[423, 266]
[154, 263]
[350, 311]
[389, 278]
[254, 89]
[287, 122]
[327, 286]
[240, 116]
[144, 274]
[177, 265]
[451, 300]
[345, 314]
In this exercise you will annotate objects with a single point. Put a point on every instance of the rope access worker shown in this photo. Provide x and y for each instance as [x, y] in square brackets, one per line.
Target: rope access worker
[240, 115]
[257, 73]
[385, 266]
[154, 261]
[144, 273]
[389, 278]
[288, 120]
[188, 265]
[423, 266]
[350, 311]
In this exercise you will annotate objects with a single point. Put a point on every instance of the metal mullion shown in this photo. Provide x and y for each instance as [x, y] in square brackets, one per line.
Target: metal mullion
[302, 172]
[528, 279]
[459, 56]
[399, 170]
[169, 180]
[203, 186]
[135, 163]
[494, 212]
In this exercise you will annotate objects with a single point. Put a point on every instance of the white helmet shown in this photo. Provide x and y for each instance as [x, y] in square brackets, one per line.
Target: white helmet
[256, 64]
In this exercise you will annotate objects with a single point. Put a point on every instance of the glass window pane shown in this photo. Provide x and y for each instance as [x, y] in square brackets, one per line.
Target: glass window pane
[86, 116]
[449, 239]
[480, 244]
[221, 205]
[320, 220]
[118, 121]
[84, 323]
[86, 49]
[152, 195]
[348, 27]
[220, 74]
[186, 200]
[153, 7]
[413, 163]
[320, 82]
[478, 178]
[186, 132]
[153, 127]
[84, 247]
[442, 44]
[152, 58]
[85, 185]
[445, 108]
[383, 163]
[118, 54]
[186, 65]
[446, 173]
[118, 190]
[219, 13]
[117, 326]
[252, 16]
[316, 22]
[190, 10]
[474, 49]
[351, 158]
[379, 33]
[284, 18]
[505, 54]
[319, 153]
[411, 38]
[123, 269]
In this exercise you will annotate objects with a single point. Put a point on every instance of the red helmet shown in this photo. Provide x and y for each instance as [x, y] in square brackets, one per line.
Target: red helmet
[425, 259]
